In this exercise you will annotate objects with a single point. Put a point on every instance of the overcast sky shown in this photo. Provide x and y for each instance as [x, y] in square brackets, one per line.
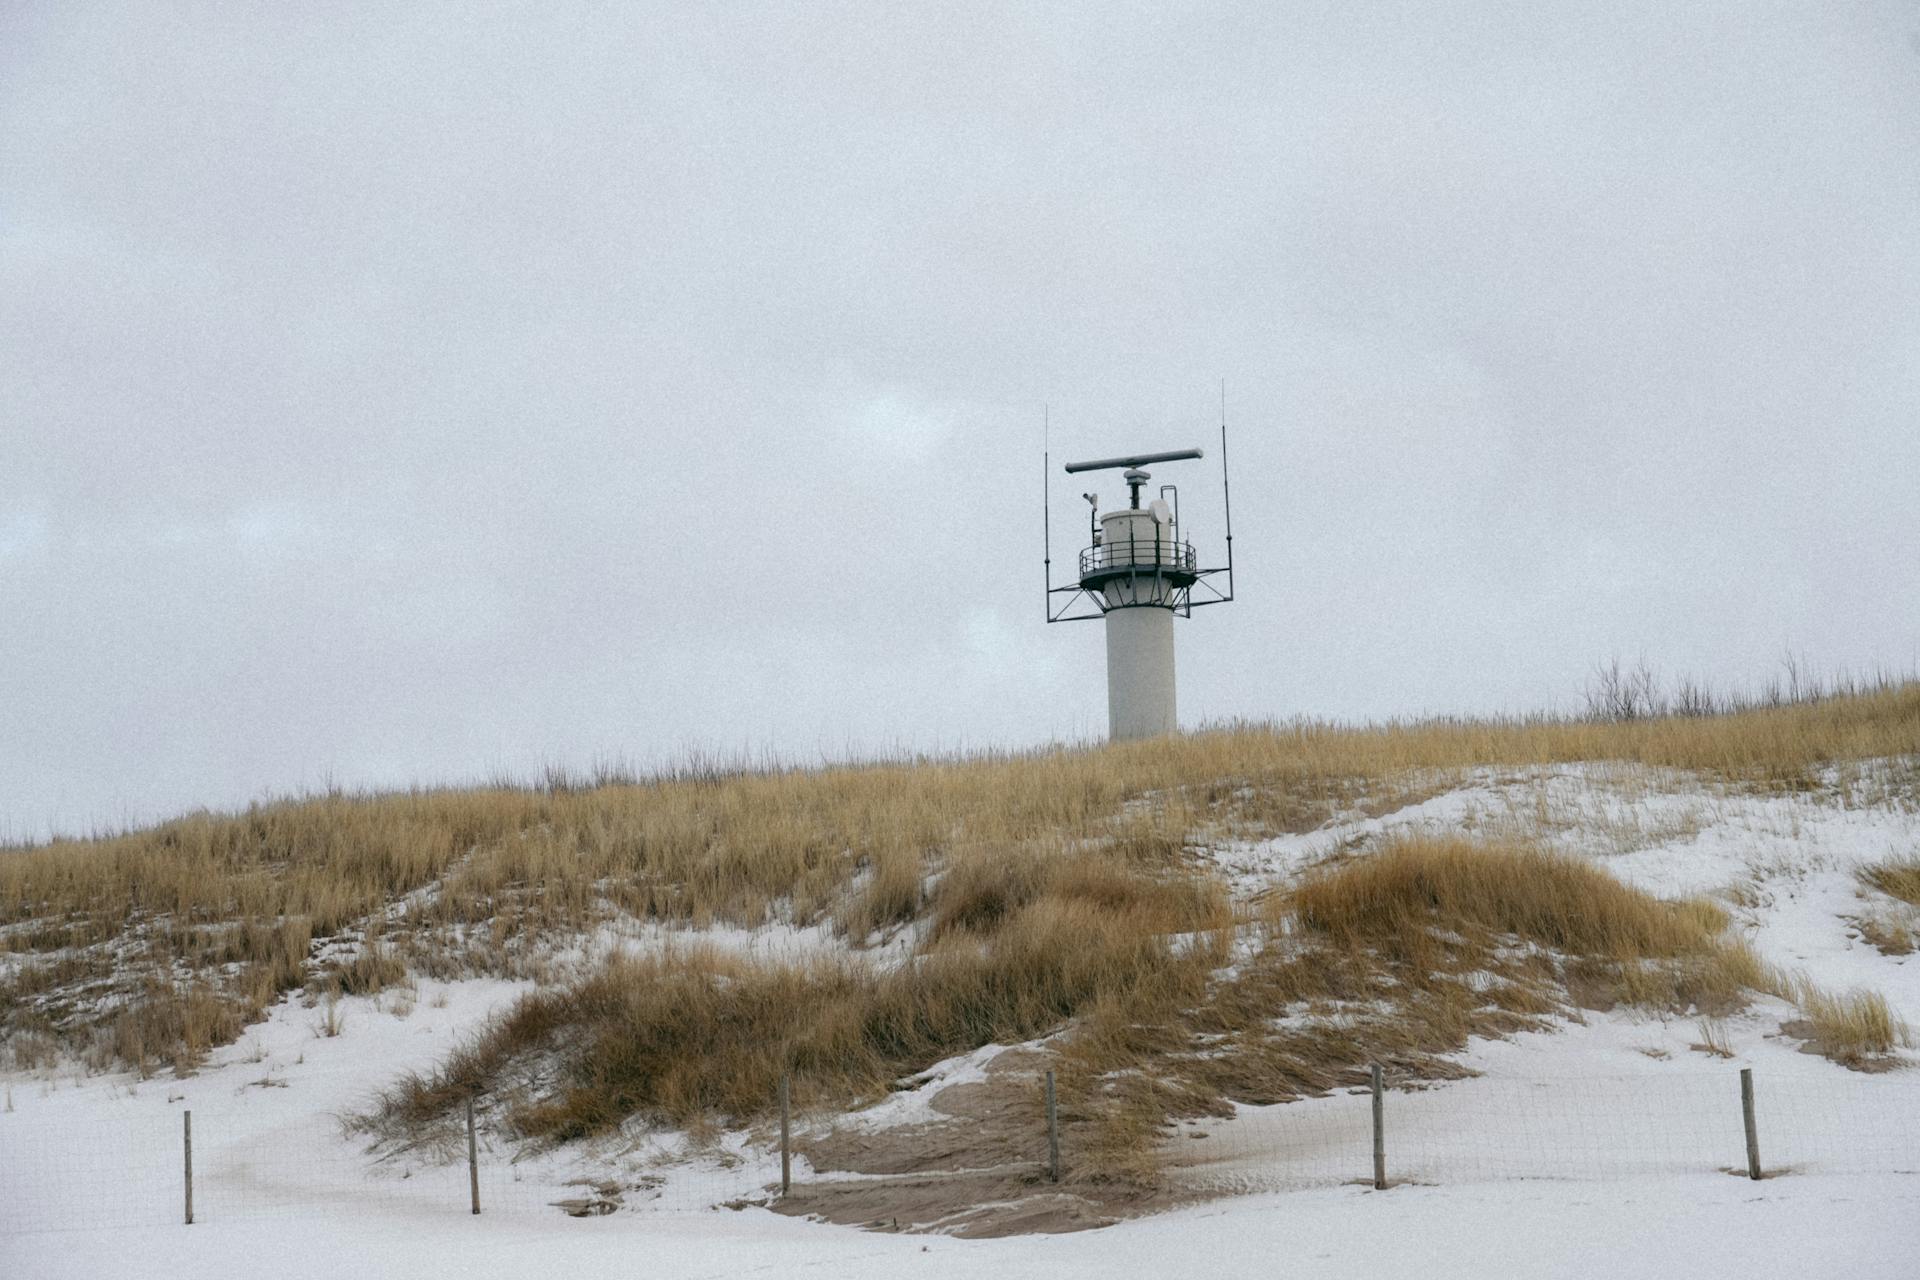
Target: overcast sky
[408, 393]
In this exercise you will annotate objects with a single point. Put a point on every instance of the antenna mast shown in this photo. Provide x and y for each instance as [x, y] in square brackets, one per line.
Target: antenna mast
[1046, 502]
[1226, 493]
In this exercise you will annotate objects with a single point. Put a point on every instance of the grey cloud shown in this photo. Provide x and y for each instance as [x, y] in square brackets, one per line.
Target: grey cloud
[397, 395]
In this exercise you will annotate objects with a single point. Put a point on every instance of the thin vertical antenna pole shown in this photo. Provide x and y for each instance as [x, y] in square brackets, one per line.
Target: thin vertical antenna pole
[786, 1113]
[1226, 491]
[187, 1133]
[1046, 501]
[473, 1159]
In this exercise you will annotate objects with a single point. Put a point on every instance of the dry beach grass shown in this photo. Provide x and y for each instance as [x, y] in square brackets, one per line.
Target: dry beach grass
[1160, 1001]
[1050, 892]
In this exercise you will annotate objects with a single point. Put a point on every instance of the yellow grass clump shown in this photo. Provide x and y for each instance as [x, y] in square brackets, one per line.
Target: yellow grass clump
[1853, 1028]
[1397, 894]
[1897, 877]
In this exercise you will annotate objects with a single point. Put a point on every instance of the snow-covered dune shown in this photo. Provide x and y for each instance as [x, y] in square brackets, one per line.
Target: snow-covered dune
[1610, 1145]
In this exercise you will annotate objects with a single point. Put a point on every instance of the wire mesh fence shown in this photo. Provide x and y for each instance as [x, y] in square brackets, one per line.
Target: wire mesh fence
[130, 1168]
[124, 1164]
[1592, 1128]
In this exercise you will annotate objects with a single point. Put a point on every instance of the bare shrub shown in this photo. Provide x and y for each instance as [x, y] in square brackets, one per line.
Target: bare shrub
[1694, 698]
[1622, 695]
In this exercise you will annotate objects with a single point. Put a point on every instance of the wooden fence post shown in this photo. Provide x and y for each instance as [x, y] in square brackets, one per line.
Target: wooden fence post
[1379, 1130]
[1053, 1133]
[473, 1159]
[1753, 1132]
[786, 1132]
[187, 1133]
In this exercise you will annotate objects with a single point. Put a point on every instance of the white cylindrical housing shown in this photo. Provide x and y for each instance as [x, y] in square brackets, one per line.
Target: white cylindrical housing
[1140, 701]
[1142, 540]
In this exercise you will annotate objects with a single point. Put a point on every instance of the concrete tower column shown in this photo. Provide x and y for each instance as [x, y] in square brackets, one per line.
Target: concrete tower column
[1140, 688]
[1139, 569]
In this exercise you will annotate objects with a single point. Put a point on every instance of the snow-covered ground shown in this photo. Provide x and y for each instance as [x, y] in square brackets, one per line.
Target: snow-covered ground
[1595, 1150]
[1703, 1228]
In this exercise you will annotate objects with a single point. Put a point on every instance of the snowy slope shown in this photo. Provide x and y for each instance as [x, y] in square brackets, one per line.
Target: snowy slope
[1598, 1149]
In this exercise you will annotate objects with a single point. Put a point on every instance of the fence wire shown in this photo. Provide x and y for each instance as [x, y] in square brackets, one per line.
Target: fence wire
[1584, 1128]
[122, 1164]
[128, 1168]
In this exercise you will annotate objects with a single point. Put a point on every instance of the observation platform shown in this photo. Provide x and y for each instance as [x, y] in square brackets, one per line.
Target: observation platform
[1163, 558]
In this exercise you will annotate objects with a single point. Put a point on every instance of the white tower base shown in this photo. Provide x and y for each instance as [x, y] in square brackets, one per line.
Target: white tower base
[1140, 673]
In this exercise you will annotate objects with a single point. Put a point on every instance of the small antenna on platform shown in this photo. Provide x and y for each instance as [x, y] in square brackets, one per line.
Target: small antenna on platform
[1226, 493]
[1046, 498]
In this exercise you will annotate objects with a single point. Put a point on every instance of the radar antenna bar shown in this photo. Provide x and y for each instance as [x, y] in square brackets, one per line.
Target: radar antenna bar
[1133, 460]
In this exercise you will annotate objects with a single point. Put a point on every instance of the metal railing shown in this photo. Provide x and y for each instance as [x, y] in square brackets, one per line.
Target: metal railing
[1145, 554]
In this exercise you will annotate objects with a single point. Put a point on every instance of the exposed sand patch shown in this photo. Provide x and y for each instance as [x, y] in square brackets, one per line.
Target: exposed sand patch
[976, 1170]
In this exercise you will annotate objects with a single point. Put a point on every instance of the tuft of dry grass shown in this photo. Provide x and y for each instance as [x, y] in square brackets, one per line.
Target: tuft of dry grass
[332, 1020]
[1892, 928]
[1563, 903]
[1897, 877]
[1853, 1028]
[372, 969]
[1890, 934]
[1714, 1039]
[171, 1024]
[892, 894]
